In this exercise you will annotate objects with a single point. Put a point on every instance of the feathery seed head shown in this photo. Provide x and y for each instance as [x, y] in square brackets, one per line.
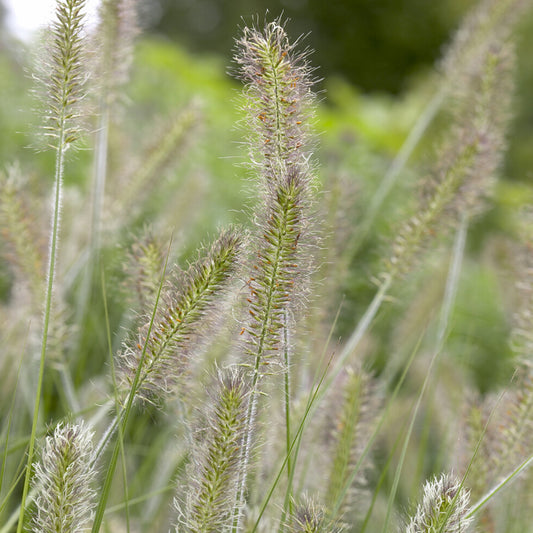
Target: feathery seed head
[278, 94]
[279, 103]
[145, 260]
[280, 276]
[63, 74]
[309, 517]
[64, 479]
[118, 29]
[354, 419]
[160, 354]
[18, 230]
[217, 458]
[468, 159]
[489, 20]
[278, 99]
[443, 509]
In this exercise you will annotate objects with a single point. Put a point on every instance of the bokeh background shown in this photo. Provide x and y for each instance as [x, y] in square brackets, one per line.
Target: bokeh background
[376, 45]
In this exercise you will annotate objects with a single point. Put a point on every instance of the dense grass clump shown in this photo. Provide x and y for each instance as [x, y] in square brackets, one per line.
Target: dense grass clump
[312, 366]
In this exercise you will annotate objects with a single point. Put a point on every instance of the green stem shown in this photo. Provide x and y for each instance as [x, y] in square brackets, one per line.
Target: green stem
[398, 164]
[288, 506]
[449, 299]
[60, 161]
[122, 418]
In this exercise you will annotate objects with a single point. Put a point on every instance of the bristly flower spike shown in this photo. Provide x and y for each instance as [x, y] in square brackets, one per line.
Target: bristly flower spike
[278, 99]
[443, 509]
[309, 517]
[279, 104]
[468, 159]
[216, 460]
[143, 267]
[64, 479]
[354, 420]
[490, 20]
[64, 75]
[160, 353]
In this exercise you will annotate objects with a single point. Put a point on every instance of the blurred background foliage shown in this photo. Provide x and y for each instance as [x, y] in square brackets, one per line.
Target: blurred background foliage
[376, 60]
[375, 45]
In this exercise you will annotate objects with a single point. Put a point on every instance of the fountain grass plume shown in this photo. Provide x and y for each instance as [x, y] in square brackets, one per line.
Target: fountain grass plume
[468, 159]
[309, 517]
[214, 472]
[63, 74]
[488, 21]
[64, 82]
[279, 100]
[18, 231]
[64, 479]
[142, 268]
[279, 105]
[354, 420]
[189, 301]
[443, 508]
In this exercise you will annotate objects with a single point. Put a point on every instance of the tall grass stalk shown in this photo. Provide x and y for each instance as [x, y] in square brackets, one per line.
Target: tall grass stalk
[450, 293]
[120, 419]
[279, 97]
[65, 90]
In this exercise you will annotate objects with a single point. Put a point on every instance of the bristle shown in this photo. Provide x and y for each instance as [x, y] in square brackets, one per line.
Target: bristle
[64, 75]
[216, 458]
[64, 480]
[443, 508]
[162, 352]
